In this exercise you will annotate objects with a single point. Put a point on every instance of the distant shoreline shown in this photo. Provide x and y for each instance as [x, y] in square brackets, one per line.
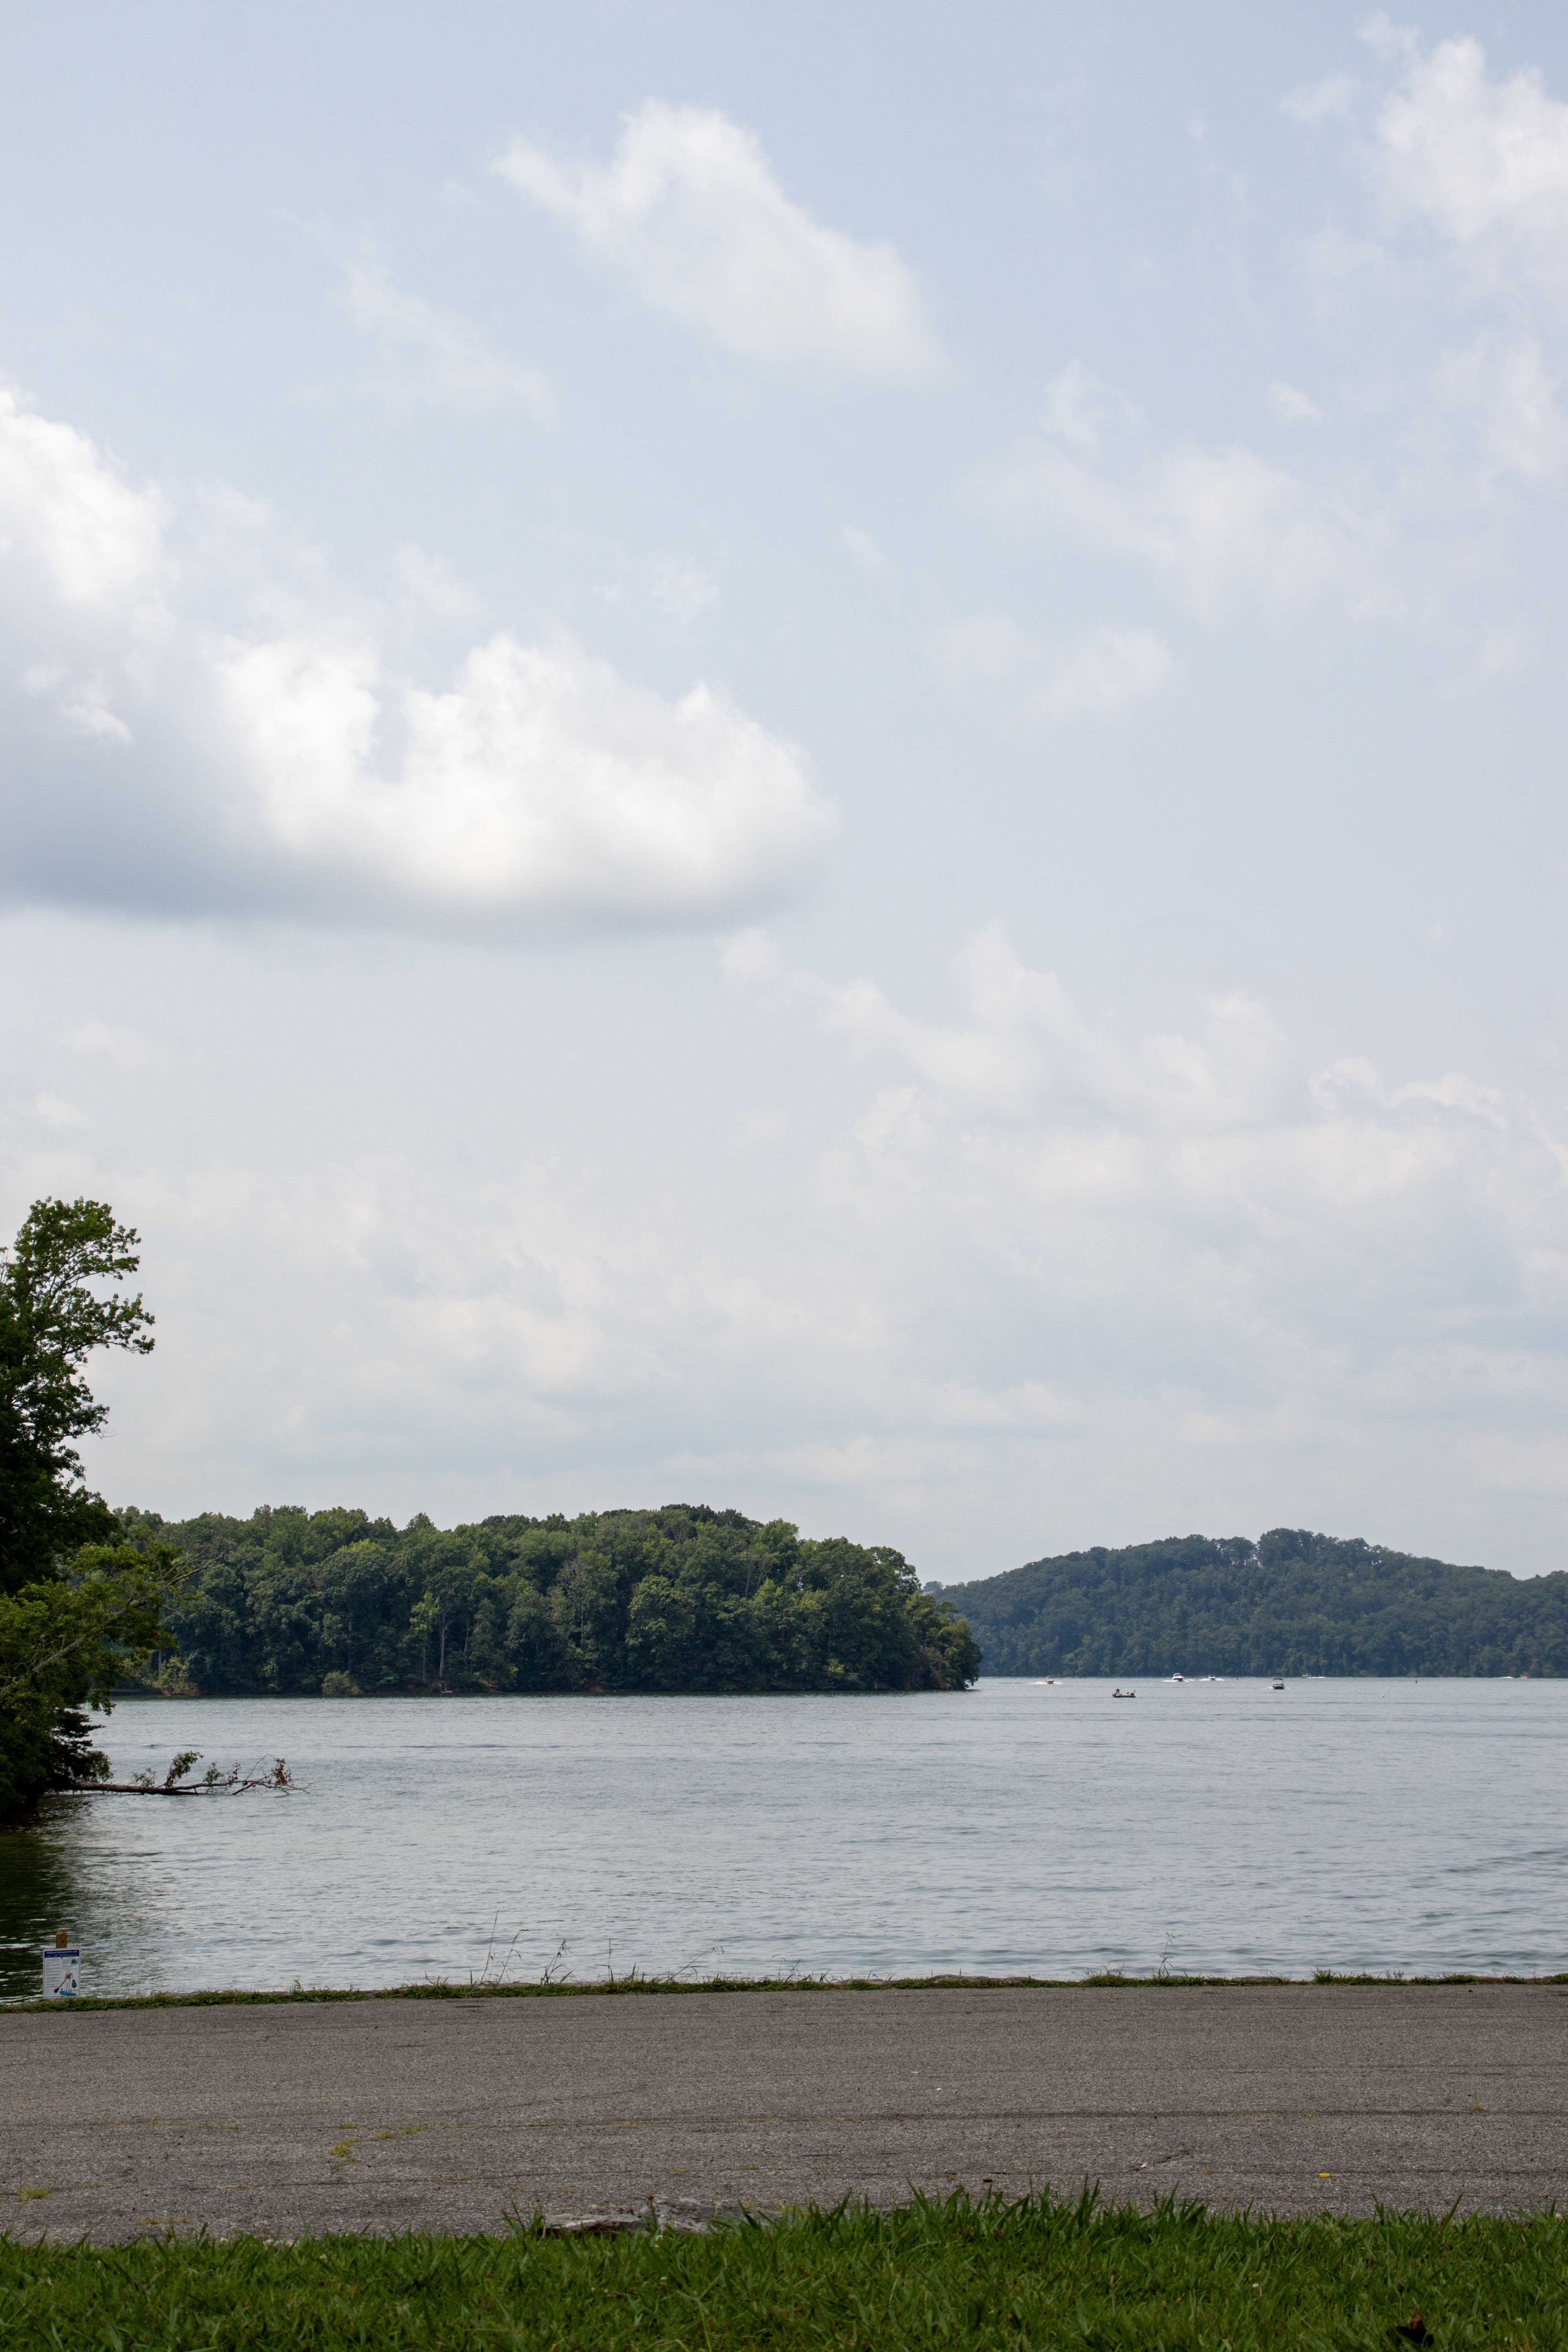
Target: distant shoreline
[616, 1988]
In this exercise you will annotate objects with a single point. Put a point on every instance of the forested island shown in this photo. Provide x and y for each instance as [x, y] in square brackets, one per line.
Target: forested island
[688, 1598]
[684, 1598]
[1291, 1603]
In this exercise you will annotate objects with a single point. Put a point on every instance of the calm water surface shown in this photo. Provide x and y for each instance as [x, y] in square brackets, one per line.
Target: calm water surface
[1024, 1826]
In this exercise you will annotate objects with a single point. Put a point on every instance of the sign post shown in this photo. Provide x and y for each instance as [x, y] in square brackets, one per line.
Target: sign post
[63, 1967]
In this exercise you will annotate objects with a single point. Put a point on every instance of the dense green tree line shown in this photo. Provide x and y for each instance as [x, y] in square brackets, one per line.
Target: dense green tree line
[682, 1598]
[1292, 1603]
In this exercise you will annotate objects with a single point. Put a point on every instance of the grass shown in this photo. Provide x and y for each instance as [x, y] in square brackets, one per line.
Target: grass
[555, 1989]
[858, 2280]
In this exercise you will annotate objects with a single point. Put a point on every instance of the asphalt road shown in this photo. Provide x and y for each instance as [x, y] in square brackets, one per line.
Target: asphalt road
[453, 2114]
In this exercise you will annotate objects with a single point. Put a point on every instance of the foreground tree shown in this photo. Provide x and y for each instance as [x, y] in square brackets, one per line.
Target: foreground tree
[80, 1606]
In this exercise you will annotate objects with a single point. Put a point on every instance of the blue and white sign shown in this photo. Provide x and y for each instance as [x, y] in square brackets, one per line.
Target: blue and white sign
[62, 1971]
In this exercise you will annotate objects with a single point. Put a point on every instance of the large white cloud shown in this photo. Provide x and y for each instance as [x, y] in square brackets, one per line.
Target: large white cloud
[274, 757]
[688, 213]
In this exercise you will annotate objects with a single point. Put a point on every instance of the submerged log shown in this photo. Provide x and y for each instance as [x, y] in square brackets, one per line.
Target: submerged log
[177, 1783]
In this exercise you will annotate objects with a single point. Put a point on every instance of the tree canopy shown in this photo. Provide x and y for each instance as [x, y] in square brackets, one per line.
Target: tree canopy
[51, 1322]
[1293, 1603]
[685, 1597]
[80, 1601]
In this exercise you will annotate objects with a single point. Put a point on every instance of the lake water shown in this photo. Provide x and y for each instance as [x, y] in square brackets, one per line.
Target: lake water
[1023, 1827]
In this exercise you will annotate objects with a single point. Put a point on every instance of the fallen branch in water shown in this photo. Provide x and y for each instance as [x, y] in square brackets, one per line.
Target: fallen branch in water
[176, 1782]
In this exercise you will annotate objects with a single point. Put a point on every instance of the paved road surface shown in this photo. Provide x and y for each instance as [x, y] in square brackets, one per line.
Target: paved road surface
[451, 2114]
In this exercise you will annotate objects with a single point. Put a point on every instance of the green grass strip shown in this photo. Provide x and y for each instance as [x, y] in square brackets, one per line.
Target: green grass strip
[958, 2273]
[632, 1983]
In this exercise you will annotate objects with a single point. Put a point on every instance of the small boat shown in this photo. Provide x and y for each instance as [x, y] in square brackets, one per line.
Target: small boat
[1278, 1686]
[1178, 1678]
[1120, 1693]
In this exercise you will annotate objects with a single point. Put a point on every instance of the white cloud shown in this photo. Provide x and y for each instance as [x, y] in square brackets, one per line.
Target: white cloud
[433, 589]
[1095, 673]
[1104, 672]
[81, 703]
[1329, 100]
[68, 524]
[54, 1112]
[687, 212]
[1191, 1230]
[1513, 394]
[750, 955]
[432, 356]
[293, 768]
[1006, 1249]
[1289, 406]
[1395, 44]
[867, 557]
[1482, 161]
[126, 1050]
[540, 780]
[986, 645]
[1079, 408]
[1212, 526]
[675, 587]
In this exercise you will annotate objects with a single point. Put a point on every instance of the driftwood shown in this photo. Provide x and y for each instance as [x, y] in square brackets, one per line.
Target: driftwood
[176, 1782]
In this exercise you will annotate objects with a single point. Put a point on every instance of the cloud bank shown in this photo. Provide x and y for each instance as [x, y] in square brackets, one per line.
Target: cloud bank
[1198, 1230]
[688, 214]
[166, 750]
[1025, 1256]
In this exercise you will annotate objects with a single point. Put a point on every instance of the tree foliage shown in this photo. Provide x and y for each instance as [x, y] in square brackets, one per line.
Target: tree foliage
[682, 1598]
[80, 1601]
[1292, 1603]
[51, 1322]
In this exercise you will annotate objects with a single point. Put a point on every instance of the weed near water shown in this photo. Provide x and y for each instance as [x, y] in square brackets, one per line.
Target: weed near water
[1038, 2272]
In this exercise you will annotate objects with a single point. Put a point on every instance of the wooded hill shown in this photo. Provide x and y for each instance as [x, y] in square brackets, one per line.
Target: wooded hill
[1290, 1604]
[681, 1599]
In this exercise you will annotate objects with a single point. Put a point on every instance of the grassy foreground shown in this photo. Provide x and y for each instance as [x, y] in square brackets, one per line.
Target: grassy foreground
[956, 2274]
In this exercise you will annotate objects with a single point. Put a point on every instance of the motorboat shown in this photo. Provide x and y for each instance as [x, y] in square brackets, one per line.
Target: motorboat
[1120, 1693]
[1278, 1686]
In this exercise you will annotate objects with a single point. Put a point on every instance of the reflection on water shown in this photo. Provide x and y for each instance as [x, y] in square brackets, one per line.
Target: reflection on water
[1024, 1826]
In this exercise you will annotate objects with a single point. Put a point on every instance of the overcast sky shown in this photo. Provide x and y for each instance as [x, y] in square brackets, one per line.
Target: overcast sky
[808, 758]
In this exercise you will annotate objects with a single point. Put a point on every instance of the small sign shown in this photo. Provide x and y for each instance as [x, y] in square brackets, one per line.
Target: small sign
[62, 1971]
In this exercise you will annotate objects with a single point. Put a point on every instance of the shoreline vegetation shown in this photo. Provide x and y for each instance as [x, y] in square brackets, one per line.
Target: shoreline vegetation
[684, 1598]
[632, 1984]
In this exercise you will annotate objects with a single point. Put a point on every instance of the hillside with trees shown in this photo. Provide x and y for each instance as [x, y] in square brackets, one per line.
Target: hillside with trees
[681, 1599]
[1291, 1603]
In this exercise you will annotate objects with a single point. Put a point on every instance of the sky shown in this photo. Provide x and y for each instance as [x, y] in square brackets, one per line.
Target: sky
[810, 758]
